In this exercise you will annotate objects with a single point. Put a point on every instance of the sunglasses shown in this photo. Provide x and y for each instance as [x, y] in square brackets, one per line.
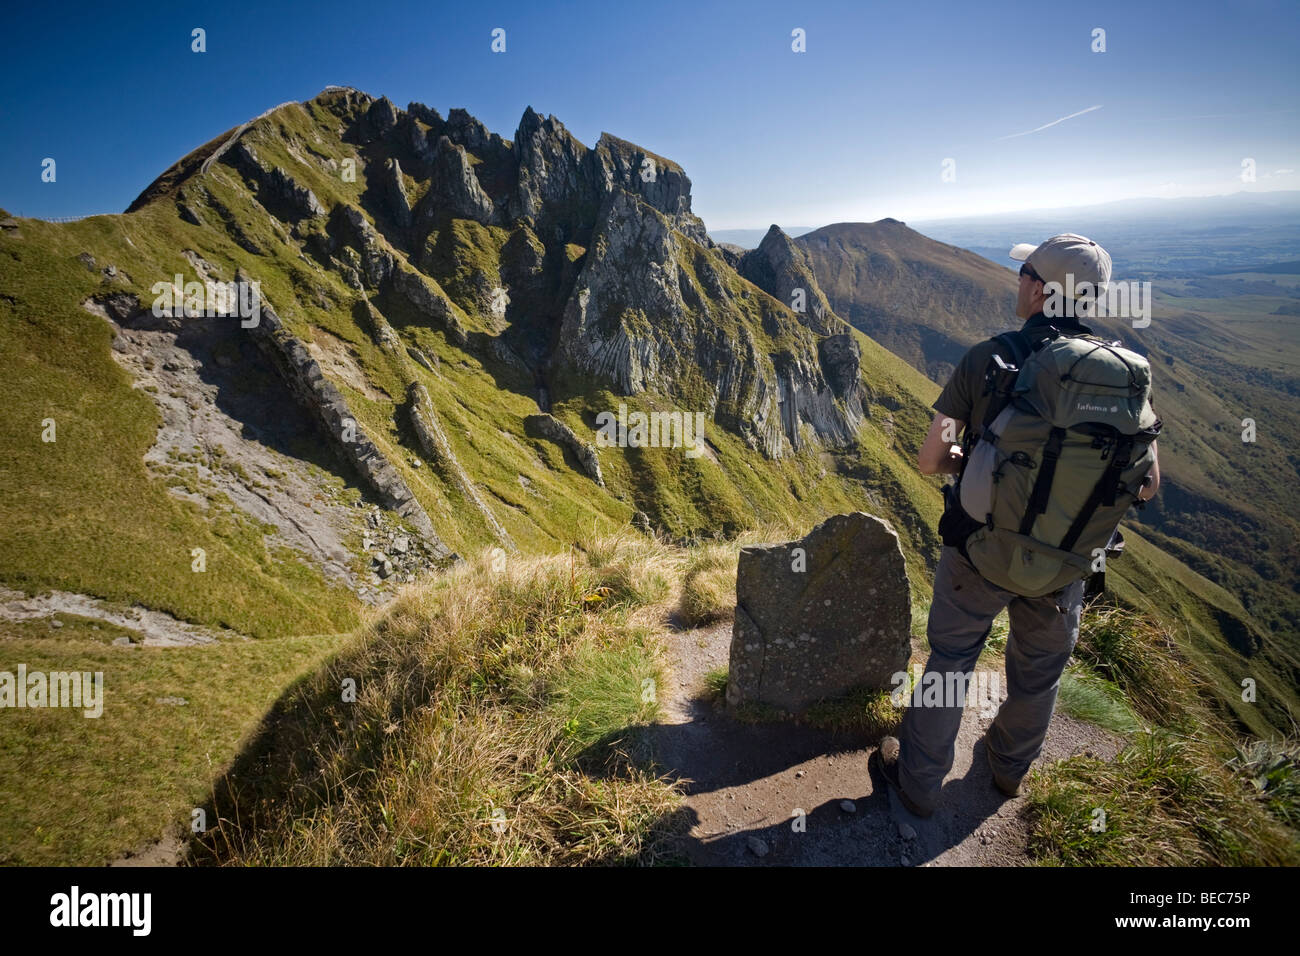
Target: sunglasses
[1027, 270]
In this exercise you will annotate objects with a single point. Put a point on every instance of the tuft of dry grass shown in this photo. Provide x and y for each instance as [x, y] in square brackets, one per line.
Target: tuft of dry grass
[1174, 796]
[1140, 656]
[498, 719]
[1166, 800]
[709, 585]
[708, 589]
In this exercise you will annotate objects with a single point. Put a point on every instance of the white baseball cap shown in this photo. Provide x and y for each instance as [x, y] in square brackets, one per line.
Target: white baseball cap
[1066, 255]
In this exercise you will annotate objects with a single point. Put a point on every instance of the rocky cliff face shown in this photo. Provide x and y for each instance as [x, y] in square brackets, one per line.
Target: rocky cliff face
[652, 310]
[582, 260]
[567, 271]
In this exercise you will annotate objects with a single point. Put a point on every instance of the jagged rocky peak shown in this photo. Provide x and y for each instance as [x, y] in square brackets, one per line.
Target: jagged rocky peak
[533, 122]
[660, 182]
[454, 187]
[464, 130]
[381, 117]
[425, 114]
[555, 186]
[345, 102]
[418, 130]
[545, 174]
[606, 270]
[562, 183]
[649, 311]
[780, 268]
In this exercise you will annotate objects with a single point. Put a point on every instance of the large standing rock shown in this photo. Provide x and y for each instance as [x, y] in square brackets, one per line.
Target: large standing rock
[843, 621]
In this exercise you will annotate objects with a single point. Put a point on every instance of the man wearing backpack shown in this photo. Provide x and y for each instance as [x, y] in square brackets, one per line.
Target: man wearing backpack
[1057, 441]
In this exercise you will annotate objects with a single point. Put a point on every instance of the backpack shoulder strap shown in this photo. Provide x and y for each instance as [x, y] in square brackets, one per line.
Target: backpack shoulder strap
[1017, 344]
[1010, 349]
[1014, 346]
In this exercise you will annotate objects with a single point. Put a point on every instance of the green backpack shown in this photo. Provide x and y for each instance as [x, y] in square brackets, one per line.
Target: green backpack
[1063, 452]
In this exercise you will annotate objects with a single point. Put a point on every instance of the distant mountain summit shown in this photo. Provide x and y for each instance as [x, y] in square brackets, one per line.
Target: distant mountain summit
[923, 300]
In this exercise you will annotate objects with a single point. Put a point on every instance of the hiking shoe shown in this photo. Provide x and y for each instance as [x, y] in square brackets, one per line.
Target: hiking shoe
[886, 757]
[1006, 786]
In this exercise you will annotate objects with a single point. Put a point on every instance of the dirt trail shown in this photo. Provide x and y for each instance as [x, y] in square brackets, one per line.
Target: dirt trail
[747, 782]
[170, 850]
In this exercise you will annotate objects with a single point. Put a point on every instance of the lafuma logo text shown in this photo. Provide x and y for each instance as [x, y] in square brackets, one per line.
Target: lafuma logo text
[1088, 407]
[102, 909]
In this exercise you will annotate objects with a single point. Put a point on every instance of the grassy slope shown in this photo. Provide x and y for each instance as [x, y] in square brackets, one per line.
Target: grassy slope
[1184, 790]
[84, 791]
[81, 513]
[1198, 612]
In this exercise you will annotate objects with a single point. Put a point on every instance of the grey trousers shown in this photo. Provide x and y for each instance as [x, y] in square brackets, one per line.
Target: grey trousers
[1043, 634]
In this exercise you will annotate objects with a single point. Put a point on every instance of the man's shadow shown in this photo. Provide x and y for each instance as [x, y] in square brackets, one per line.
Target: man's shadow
[966, 804]
[714, 751]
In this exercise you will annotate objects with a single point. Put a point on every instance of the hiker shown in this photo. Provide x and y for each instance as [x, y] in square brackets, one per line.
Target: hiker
[1068, 445]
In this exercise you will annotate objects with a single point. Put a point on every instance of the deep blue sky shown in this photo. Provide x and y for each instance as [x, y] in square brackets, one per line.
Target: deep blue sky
[855, 128]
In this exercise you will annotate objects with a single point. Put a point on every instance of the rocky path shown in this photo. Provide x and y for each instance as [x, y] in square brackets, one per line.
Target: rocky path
[749, 783]
[234, 437]
[155, 628]
[230, 426]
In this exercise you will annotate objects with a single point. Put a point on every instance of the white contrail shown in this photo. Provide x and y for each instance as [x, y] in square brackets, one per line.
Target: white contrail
[1052, 123]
